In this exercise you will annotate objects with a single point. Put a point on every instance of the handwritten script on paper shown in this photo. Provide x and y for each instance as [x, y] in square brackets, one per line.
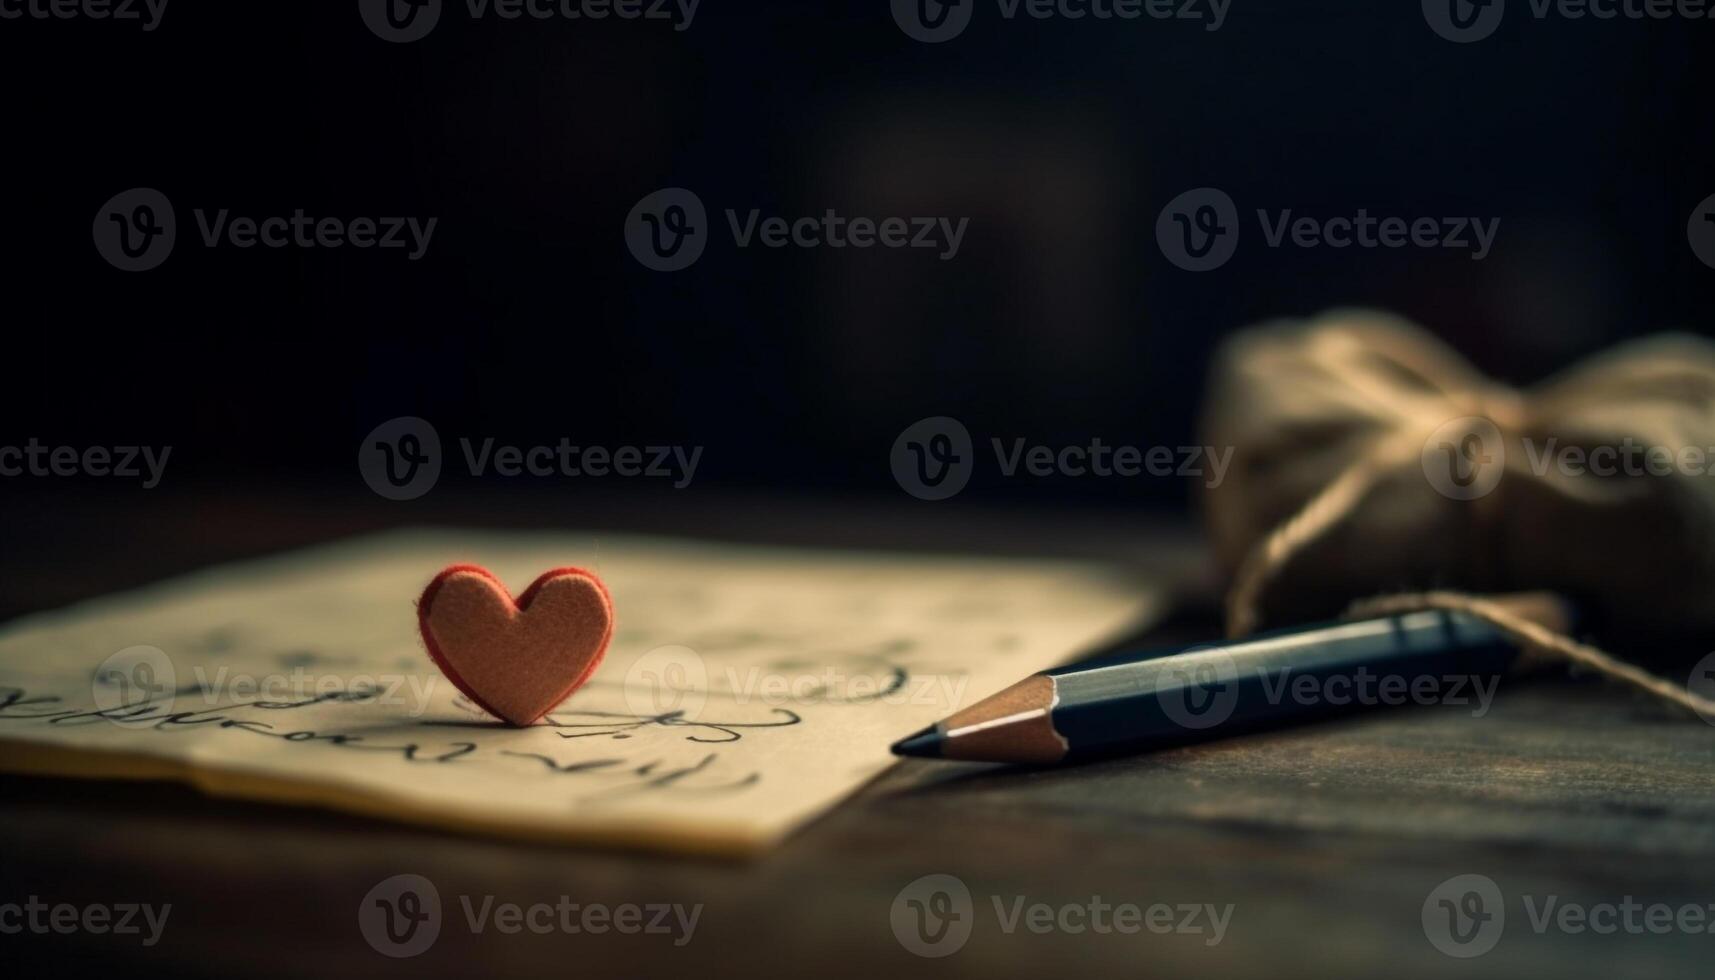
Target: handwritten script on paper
[747, 689]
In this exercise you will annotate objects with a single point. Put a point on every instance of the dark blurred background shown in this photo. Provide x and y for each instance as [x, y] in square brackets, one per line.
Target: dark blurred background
[1059, 320]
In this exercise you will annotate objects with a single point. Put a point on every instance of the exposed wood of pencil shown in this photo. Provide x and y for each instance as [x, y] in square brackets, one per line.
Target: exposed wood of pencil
[1016, 725]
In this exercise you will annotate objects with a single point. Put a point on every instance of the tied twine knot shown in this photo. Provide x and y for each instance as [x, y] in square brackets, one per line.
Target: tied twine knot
[1370, 457]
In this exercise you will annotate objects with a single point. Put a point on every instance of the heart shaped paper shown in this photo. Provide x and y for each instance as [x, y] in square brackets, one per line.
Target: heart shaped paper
[518, 660]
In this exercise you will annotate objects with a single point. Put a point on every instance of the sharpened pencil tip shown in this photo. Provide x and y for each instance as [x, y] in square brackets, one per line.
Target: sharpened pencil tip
[926, 744]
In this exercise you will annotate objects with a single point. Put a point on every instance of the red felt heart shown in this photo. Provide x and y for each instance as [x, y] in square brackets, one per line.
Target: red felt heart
[518, 660]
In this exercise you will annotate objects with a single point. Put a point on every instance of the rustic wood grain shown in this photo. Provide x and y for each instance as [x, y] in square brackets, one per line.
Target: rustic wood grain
[1326, 839]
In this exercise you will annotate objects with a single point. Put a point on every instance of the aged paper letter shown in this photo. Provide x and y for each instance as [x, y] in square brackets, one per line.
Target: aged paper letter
[746, 690]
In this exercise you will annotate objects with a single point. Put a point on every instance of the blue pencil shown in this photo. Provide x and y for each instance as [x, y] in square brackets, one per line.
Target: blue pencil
[1158, 698]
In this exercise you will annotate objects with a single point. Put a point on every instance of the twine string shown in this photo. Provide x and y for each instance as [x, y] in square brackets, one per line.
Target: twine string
[1340, 499]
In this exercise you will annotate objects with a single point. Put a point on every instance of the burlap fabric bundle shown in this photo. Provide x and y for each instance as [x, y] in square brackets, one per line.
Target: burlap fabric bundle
[1371, 460]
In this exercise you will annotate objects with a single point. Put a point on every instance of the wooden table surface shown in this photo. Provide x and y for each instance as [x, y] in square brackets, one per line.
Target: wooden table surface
[1325, 841]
